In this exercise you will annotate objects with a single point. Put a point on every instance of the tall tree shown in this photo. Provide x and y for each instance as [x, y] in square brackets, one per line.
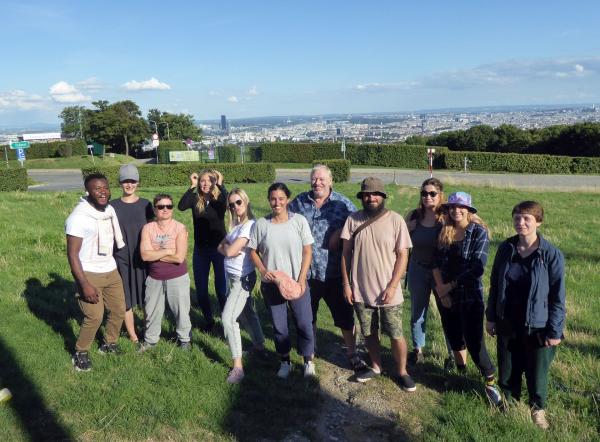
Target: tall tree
[173, 126]
[74, 121]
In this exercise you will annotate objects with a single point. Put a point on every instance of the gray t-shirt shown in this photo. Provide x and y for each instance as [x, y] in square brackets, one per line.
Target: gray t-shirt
[280, 245]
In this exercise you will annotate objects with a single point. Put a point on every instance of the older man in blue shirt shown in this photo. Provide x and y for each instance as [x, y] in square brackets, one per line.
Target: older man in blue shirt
[326, 212]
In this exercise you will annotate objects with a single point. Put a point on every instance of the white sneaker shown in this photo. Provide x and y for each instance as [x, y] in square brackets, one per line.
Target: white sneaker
[284, 370]
[309, 369]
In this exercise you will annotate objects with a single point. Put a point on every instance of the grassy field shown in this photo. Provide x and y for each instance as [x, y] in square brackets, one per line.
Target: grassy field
[170, 395]
[74, 162]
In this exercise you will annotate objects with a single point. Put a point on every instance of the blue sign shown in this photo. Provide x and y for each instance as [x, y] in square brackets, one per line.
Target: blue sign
[21, 154]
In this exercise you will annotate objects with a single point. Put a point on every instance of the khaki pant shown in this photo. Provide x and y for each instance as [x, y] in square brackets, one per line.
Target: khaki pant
[112, 298]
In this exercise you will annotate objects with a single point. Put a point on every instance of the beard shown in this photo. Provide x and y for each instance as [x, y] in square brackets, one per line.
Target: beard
[373, 211]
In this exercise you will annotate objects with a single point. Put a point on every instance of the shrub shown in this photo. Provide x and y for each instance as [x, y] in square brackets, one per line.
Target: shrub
[227, 154]
[508, 162]
[340, 169]
[585, 165]
[13, 179]
[53, 149]
[178, 175]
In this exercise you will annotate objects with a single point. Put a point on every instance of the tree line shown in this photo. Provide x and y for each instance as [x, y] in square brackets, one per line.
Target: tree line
[580, 139]
[121, 126]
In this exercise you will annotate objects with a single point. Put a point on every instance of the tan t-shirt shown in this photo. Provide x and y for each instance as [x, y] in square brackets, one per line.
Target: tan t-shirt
[374, 255]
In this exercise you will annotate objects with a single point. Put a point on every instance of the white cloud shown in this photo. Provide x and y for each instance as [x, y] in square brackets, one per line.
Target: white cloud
[63, 92]
[91, 84]
[253, 91]
[233, 99]
[20, 100]
[147, 85]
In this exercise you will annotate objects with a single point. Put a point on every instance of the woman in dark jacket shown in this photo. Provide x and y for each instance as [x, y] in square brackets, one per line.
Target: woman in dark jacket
[526, 308]
[208, 200]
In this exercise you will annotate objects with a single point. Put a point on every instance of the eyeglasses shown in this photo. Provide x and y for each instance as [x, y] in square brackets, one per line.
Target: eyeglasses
[164, 206]
[432, 194]
[238, 202]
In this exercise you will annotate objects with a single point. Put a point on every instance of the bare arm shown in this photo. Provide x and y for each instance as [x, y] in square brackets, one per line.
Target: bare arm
[397, 274]
[147, 253]
[233, 249]
[306, 260]
[346, 261]
[180, 252]
[90, 293]
[265, 274]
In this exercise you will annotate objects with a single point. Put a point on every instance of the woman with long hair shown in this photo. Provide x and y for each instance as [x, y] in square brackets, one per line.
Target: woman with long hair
[241, 279]
[462, 255]
[281, 249]
[424, 224]
[208, 200]
[133, 213]
[526, 308]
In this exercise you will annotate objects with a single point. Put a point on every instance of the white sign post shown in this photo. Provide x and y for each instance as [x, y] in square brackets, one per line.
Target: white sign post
[430, 153]
[155, 144]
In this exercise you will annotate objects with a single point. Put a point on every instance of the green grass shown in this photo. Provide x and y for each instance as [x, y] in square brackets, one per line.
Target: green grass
[74, 162]
[170, 395]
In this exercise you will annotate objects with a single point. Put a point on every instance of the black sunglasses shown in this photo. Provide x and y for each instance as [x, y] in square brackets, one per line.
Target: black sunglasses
[164, 206]
[432, 194]
[238, 202]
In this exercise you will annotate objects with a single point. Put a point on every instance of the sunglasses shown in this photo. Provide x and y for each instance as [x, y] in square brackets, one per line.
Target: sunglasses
[432, 194]
[164, 206]
[238, 202]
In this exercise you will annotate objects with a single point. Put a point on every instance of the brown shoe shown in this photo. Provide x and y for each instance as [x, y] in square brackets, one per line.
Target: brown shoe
[539, 418]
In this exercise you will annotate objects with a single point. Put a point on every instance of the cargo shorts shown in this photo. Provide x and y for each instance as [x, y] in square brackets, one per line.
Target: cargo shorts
[390, 317]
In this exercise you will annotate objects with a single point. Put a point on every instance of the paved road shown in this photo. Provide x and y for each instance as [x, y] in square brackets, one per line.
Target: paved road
[70, 179]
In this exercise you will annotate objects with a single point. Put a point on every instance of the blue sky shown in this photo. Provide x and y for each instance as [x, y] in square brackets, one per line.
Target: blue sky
[246, 59]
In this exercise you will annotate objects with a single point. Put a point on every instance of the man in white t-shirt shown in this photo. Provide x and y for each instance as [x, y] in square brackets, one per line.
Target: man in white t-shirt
[92, 229]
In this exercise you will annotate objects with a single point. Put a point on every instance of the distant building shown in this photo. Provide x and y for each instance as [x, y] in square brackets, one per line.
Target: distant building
[223, 123]
[46, 136]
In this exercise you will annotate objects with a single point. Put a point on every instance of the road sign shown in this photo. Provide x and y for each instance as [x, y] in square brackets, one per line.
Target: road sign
[20, 145]
[155, 140]
[21, 154]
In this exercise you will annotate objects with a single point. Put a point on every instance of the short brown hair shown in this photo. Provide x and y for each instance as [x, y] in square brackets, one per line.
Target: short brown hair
[530, 207]
[162, 196]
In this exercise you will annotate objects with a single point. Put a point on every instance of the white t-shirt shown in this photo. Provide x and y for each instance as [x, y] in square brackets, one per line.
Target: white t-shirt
[239, 265]
[86, 227]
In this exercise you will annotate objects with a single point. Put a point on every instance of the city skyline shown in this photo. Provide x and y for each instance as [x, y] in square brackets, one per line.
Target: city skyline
[250, 60]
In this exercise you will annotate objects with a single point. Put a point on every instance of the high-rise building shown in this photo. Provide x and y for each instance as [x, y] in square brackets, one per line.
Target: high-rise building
[223, 122]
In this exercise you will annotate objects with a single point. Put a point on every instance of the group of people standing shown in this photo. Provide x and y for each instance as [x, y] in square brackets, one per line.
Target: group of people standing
[319, 246]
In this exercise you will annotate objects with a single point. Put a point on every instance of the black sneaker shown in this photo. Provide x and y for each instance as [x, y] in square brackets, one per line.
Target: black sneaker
[185, 346]
[449, 364]
[406, 382]
[416, 357]
[81, 361]
[357, 364]
[105, 349]
[366, 375]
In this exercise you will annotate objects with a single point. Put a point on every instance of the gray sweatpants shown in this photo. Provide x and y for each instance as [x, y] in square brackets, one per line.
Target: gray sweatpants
[177, 292]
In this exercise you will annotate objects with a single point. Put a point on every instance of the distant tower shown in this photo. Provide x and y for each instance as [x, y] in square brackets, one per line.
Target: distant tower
[223, 123]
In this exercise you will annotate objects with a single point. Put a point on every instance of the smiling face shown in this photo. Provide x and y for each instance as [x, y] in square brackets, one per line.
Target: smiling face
[430, 196]
[205, 184]
[459, 214]
[278, 201]
[128, 187]
[321, 182]
[98, 193]
[525, 224]
[372, 202]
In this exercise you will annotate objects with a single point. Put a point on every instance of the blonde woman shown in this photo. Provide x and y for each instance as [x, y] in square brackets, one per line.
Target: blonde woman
[241, 279]
[462, 255]
[208, 200]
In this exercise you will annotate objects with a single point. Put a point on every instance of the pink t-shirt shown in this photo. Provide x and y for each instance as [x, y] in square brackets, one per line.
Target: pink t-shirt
[164, 238]
[374, 256]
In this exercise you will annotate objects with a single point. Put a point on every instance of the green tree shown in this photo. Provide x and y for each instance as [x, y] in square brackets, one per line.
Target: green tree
[511, 139]
[74, 121]
[174, 126]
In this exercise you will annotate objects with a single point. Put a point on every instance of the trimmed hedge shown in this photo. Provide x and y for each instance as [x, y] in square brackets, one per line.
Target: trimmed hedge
[178, 175]
[387, 155]
[54, 149]
[13, 179]
[521, 163]
[340, 169]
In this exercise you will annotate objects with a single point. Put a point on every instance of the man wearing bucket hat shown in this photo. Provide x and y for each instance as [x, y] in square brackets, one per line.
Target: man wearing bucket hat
[374, 258]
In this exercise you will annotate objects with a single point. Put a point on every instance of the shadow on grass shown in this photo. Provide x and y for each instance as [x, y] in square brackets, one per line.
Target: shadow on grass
[54, 304]
[38, 421]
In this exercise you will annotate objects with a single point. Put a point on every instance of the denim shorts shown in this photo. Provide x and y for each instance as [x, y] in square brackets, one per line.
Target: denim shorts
[369, 317]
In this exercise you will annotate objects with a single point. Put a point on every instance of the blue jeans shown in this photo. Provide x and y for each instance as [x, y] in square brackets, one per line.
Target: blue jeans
[202, 259]
[420, 285]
